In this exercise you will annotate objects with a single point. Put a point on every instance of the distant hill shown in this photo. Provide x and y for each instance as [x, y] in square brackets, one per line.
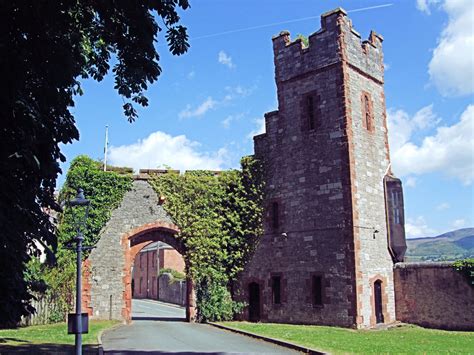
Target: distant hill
[458, 244]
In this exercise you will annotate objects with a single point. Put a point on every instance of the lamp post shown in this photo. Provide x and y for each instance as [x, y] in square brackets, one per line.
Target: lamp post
[80, 225]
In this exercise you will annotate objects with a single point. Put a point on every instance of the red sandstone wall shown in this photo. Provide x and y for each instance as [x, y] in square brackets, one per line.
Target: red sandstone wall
[433, 295]
[145, 272]
[171, 259]
[146, 268]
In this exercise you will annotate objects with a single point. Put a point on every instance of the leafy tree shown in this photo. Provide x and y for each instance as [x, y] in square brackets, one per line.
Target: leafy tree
[46, 47]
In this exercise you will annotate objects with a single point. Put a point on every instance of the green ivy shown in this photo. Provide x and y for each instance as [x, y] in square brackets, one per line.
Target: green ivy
[220, 221]
[105, 190]
[466, 267]
[219, 215]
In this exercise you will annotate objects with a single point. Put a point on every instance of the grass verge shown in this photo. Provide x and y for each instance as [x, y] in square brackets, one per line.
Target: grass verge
[404, 339]
[50, 334]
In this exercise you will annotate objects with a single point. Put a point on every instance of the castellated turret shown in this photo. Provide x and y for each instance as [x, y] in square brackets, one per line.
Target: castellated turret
[325, 256]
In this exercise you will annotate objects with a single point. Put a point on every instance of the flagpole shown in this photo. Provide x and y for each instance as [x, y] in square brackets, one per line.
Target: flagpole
[105, 147]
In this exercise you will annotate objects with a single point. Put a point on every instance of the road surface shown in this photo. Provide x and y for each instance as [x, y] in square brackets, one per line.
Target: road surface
[159, 328]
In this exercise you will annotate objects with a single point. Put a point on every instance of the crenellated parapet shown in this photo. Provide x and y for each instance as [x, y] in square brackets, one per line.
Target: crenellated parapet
[335, 42]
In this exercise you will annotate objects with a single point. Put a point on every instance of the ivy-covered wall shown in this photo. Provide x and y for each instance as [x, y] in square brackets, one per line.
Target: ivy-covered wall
[220, 218]
[105, 190]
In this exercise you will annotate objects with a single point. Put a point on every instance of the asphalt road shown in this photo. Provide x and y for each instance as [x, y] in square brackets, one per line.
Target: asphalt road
[159, 328]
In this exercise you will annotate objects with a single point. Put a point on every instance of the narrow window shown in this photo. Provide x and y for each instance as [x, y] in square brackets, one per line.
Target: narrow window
[141, 284]
[153, 259]
[141, 260]
[317, 290]
[275, 215]
[397, 215]
[368, 113]
[276, 289]
[310, 112]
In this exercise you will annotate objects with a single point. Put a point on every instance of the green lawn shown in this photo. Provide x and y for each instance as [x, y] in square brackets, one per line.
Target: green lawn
[50, 334]
[406, 339]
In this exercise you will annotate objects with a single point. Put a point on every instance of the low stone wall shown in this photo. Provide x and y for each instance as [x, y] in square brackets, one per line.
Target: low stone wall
[171, 291]
[433, 295]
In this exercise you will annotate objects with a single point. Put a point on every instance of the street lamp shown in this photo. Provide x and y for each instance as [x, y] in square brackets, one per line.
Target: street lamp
[78, 204]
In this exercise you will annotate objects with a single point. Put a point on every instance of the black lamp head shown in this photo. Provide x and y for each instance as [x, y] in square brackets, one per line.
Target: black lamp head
[80, 200]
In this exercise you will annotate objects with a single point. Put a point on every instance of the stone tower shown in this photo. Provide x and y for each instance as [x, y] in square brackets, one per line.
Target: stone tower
[325, 255]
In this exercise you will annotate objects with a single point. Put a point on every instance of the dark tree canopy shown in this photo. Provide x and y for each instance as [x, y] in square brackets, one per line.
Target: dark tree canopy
[46, 47]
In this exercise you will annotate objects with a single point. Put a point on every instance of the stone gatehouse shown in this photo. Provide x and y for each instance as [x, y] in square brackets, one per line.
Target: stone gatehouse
[334, 239]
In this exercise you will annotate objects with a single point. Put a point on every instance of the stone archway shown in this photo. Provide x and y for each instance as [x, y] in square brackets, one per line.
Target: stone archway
[136, 240]
[139, 220]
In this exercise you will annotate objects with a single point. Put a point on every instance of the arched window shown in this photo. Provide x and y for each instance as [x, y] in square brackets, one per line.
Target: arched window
[379, 318]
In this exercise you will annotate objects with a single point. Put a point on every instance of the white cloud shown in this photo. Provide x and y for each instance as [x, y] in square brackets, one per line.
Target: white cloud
[459, 223]
[449, 150]
[160, 149]
[191, 74]
[411, 181]
[225, 59]
[231, 118]
[238, 92]
[259, 128]
[424, 5]
[226, 122]
[207, 105]
[418, 228]
[443, 206]
[451, 68]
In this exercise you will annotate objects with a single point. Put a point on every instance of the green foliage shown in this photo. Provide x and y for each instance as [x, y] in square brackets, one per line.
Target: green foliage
[104, 189]
[466, 267]
[303, 39]
[46, 48]
[219, 216]
[215, 302]
[176, 274]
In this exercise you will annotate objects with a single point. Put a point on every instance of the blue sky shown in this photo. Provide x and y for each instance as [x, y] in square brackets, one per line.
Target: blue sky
[208, 103]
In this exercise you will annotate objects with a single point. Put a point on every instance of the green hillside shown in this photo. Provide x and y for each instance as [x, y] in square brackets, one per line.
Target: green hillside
[455, 245]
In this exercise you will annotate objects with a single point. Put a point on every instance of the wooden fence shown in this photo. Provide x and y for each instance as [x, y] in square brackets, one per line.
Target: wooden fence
[47, 311]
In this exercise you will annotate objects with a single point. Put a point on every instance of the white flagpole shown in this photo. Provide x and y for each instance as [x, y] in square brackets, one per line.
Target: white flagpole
[105, 147]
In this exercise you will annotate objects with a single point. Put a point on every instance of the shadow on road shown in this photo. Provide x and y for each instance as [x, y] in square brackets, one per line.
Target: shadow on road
[161, 319]
[45, 349]
[114, 352]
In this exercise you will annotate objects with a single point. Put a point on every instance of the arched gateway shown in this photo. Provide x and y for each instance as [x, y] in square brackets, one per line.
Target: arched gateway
[137, 222]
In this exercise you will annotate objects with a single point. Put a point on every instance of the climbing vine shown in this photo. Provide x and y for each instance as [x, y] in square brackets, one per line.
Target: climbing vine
[105, 190]
[466, 267]
[219, 216]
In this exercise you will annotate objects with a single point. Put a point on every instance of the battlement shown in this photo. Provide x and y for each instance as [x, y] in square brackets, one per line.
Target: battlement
[146, 174]
[336, 41]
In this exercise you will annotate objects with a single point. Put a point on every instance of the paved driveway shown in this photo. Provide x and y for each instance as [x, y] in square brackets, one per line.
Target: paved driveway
[159, 328]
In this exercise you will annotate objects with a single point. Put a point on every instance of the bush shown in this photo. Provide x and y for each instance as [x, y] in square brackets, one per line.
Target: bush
[466, 266]
[214, 302]
[177, 276]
